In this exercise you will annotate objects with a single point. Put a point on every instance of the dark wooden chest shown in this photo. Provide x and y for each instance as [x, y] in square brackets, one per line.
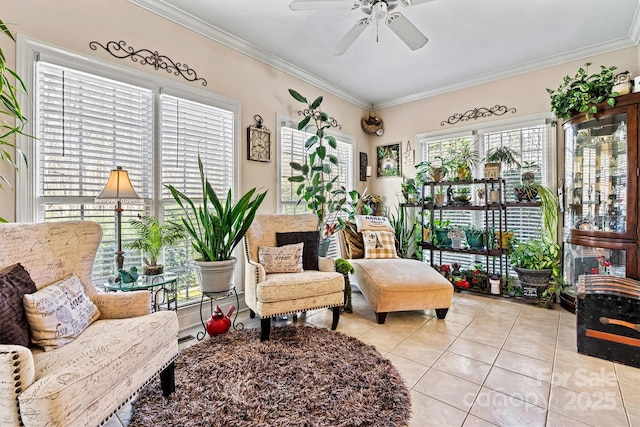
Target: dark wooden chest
[608, 317]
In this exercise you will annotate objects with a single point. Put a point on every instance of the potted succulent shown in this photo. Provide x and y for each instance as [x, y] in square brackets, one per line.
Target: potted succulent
[318, 175]
[151, 238]
[581, 93]
[462, 195]
[216, 228]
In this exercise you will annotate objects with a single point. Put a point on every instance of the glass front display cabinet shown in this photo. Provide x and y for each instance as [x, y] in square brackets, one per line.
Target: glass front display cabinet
[601, 192]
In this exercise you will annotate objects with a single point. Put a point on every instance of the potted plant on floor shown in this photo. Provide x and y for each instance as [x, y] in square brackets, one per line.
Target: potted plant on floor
[216, 227]
[151, 238]
[345, 268]
[318, 175]
[536, 262]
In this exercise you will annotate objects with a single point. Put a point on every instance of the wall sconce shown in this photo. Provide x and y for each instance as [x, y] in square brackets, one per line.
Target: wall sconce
[368, 171]
[117, 188]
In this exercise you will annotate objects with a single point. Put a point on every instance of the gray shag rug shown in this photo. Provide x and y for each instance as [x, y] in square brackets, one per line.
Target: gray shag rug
[301, 376]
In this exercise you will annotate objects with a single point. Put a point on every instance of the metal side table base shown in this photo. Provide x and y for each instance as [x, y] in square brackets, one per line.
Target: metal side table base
[217, 296]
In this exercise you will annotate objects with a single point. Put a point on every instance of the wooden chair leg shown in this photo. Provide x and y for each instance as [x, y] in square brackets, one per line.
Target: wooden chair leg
[167, 379]
[336, 318]
[441, 313]
[381, 318]
[265, 327]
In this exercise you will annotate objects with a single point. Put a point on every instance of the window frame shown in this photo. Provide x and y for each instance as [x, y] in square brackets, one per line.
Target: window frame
[30, 51]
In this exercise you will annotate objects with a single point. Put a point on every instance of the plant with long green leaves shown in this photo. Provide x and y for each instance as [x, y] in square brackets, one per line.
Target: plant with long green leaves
[14, 121]
[316, 178]
[405, 232]
[153, 236]
[216, 228]
[536, 254]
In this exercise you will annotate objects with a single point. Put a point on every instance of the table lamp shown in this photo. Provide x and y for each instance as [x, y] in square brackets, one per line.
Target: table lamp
[117, 188]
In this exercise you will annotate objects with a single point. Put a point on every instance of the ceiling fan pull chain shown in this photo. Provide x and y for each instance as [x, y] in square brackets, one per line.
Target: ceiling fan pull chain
[377, 23]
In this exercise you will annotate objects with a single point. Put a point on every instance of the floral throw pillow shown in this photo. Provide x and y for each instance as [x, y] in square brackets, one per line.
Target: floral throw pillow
[281, 259]
[379, 244]
[58, 313]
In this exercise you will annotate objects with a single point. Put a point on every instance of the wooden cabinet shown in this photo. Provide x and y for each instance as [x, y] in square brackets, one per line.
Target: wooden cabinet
[600, 221]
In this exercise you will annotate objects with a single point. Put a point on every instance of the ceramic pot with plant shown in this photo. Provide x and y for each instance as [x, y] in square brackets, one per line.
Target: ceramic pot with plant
[504, 156]
[462, 195]
[440, 232]
[151, 238]
[440, 197]
[536, 262]
[475, 237]
[216, 227]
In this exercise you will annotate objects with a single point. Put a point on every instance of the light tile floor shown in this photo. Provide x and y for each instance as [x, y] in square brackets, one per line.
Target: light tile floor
[491, 362]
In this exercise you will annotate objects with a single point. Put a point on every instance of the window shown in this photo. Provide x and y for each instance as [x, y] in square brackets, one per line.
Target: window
[532, 142]
[292, 150]
[91, 117]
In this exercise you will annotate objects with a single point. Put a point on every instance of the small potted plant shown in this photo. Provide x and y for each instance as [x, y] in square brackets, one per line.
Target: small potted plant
[536, 262]
[440, 232]
[475, 237]
[502, 156]
[462, 195]
[151, 238]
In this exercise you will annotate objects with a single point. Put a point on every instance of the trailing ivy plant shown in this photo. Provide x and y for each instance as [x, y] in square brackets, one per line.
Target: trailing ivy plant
[12, 121]
[581, 93]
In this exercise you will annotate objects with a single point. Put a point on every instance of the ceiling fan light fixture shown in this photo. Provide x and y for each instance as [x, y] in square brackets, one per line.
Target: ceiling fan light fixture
[379, 10]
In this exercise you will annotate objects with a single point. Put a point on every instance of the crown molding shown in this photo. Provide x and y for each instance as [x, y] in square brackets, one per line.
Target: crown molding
[521, 69]
[197, 25]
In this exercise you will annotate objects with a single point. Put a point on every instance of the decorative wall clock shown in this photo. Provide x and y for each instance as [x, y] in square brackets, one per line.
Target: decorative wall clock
[258, 141]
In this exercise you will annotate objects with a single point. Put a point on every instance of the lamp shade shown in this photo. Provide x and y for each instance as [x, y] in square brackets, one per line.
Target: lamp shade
[118, 186]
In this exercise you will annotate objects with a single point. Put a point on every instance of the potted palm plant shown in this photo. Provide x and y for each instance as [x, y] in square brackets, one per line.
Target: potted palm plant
[151, 238]
[318, 175]
[216, 227]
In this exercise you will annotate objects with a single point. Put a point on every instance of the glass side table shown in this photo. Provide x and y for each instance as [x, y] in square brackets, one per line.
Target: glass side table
[163, 288]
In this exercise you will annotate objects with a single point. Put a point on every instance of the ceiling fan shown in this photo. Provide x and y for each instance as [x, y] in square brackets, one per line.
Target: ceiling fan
[375, 10]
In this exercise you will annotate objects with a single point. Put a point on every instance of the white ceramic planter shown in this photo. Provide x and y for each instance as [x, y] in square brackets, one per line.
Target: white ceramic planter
[215, 276]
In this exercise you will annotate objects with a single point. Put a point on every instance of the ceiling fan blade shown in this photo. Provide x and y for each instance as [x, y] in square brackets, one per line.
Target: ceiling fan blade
[407, 32]
[322, 4]
[351, 36]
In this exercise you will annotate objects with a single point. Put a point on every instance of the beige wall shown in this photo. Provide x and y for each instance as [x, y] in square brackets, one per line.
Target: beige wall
[526, 93]
[72, 24]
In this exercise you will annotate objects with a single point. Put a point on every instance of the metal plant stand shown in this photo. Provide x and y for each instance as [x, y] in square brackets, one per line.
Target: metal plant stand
[217, 296]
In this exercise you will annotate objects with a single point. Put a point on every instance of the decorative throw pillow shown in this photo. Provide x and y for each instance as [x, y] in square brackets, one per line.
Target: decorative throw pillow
[379, 244]
[283, 259]
[373, 223]
[353, 241]
[59, 313]
[15, 282]
[311, 240]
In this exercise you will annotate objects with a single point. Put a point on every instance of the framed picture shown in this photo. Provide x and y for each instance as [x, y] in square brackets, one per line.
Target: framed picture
[492, 170]
[258, 144]
[388, 160]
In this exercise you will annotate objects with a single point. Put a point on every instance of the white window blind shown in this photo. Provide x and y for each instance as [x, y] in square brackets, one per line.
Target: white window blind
[86, 125]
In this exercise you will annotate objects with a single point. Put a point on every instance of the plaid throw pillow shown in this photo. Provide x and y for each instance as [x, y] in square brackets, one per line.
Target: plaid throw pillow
[379, 244]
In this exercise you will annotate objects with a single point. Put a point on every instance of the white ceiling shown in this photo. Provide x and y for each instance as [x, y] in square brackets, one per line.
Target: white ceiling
[470, 41]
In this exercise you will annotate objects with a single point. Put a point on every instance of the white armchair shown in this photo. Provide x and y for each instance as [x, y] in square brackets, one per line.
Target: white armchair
[87, 380]
[279, 294]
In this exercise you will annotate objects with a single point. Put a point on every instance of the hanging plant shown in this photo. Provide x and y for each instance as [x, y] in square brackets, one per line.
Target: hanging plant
[581, 93]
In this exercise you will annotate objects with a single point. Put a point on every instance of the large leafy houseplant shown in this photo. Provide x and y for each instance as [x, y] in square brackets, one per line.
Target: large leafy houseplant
[13, 120]
[151, 238]
[216, 228]
[317, 176]
[581, 93]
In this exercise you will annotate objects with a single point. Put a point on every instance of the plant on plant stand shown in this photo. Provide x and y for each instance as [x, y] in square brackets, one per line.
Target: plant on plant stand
[152, 237]
[536, 262]
[216, 228]
[317, 180]
[344, 267]
[14, 121]
[504, 156]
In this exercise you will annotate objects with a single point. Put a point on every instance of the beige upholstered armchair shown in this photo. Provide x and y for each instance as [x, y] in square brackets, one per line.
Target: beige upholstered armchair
[84, 381]
[278, 294]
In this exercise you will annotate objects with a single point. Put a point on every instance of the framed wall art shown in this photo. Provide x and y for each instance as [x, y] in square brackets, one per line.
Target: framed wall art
[492, 170]
[388, 160]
